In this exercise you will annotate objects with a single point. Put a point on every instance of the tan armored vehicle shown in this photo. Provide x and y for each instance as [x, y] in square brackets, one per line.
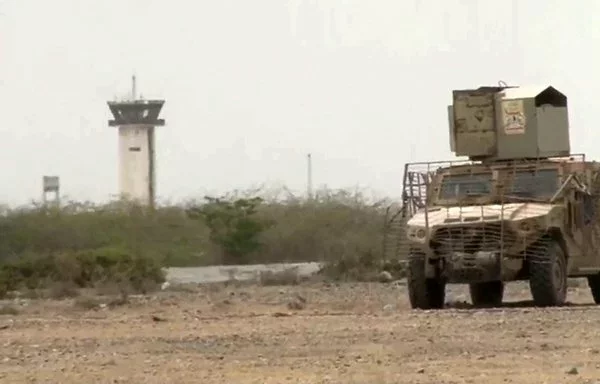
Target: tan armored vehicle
[521, 208]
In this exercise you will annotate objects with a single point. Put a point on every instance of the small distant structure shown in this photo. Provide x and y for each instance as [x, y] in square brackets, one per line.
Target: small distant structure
[51, 188]
[136, 120]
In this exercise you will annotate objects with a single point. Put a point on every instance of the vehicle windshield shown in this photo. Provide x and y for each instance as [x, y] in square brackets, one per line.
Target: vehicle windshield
[458, 186]
[541, 183]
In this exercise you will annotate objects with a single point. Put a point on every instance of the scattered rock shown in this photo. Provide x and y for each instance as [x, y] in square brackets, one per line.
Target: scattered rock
[572, 371]
[388, 307]
[458, 304]
[281, 314]
[158, 318]
[8, 310]
[522, 335]
[421, 370]
[385, 277]
[288, 276]
[296, 305]
[300, 297]
[108, 363]
[297, 302]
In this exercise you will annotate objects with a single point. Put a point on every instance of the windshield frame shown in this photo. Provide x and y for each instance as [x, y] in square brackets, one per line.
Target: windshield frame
[552, 185]
[479, 175]
[500, 191]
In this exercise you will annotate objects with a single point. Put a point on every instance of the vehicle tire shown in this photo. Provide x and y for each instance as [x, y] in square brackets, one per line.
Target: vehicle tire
[548, 277]
[488, 294]
[594, 284]
[424, 293]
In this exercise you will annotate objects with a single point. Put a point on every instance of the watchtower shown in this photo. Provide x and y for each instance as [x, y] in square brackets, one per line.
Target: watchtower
[51, 186]
[136, 120]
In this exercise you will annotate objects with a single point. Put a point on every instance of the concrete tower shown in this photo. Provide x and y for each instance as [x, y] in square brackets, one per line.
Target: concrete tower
[136, 120]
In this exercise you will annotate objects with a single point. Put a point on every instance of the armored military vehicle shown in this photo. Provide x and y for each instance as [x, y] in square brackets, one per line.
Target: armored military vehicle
[522, 207]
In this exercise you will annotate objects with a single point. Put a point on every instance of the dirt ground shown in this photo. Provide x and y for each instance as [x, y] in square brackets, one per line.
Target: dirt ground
[312, 333]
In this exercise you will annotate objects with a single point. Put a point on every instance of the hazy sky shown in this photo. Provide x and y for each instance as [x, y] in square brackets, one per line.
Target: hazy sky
[252, 86]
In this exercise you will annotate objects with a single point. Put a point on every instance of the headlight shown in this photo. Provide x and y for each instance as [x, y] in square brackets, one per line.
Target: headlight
[417, 234]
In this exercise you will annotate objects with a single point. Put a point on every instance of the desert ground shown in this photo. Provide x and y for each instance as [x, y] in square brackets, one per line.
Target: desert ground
[315, 332]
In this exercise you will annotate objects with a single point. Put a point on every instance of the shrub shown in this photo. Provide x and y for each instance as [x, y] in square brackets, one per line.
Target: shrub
[333, 227]
[164, 233]
[233, 226]
[81, 269]
[83, 242]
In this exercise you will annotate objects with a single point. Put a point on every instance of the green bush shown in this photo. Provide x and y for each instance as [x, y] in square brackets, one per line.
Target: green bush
[82, 269]
[85, 243]
[165, 234]
[234, 226]
[321, 230]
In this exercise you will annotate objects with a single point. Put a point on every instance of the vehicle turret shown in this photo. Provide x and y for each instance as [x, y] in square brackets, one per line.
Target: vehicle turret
[507, 123]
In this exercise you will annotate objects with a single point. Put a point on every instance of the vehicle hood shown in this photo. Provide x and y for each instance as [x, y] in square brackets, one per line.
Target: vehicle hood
[493, 212]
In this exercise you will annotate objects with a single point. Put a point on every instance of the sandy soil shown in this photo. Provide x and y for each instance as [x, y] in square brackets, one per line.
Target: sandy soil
[347, 333]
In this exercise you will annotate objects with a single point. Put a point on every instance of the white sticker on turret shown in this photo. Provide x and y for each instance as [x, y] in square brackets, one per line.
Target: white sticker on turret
[513, 116]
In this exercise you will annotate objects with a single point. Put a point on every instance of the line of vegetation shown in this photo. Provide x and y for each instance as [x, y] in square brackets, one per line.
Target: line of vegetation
[86, 244]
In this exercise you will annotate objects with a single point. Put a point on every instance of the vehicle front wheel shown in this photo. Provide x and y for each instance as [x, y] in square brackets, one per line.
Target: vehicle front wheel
[424, 293]
[487, 294]
[548, 276]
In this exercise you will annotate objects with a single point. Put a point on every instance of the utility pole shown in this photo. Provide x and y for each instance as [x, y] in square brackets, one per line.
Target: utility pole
[309, 187]
[133, 88]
